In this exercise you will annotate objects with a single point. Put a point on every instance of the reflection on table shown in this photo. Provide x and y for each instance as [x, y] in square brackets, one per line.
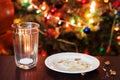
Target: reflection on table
[9, 71]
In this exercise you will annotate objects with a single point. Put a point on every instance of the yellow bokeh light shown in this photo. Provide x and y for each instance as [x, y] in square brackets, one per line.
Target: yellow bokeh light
[79, 24]
[91, 21]
[67, 25]
[106, 1]
[92, 7]
[17, 20]
[88, 15]
[25, 1]
[116, 28]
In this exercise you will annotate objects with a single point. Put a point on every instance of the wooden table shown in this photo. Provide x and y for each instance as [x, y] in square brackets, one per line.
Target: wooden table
[9, 71]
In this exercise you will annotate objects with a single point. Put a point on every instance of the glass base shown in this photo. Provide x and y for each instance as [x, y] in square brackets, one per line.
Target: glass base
[26, 63]
[26, 66]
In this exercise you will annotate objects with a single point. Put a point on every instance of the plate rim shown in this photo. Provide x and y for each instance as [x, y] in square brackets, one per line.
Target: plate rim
[72, 53]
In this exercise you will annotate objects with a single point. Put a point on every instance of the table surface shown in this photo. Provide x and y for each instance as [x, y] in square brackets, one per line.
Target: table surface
[9, 71]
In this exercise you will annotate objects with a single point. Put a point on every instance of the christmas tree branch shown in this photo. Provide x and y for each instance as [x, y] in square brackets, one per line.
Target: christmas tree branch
[111, 35]
[68, 42]
[42, 32]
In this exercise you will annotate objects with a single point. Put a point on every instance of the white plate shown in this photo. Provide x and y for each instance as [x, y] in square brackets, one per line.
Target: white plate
[57, 62]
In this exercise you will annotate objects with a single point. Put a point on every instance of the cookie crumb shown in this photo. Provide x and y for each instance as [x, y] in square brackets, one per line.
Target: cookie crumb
[83, 74]
[107, 62]
[112, 72]
[104, 69]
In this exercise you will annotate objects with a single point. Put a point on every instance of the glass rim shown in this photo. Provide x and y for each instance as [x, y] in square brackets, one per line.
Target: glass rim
[18, 25]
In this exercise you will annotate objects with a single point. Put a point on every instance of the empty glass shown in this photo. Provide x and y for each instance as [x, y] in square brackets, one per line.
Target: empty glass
[25, 42]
